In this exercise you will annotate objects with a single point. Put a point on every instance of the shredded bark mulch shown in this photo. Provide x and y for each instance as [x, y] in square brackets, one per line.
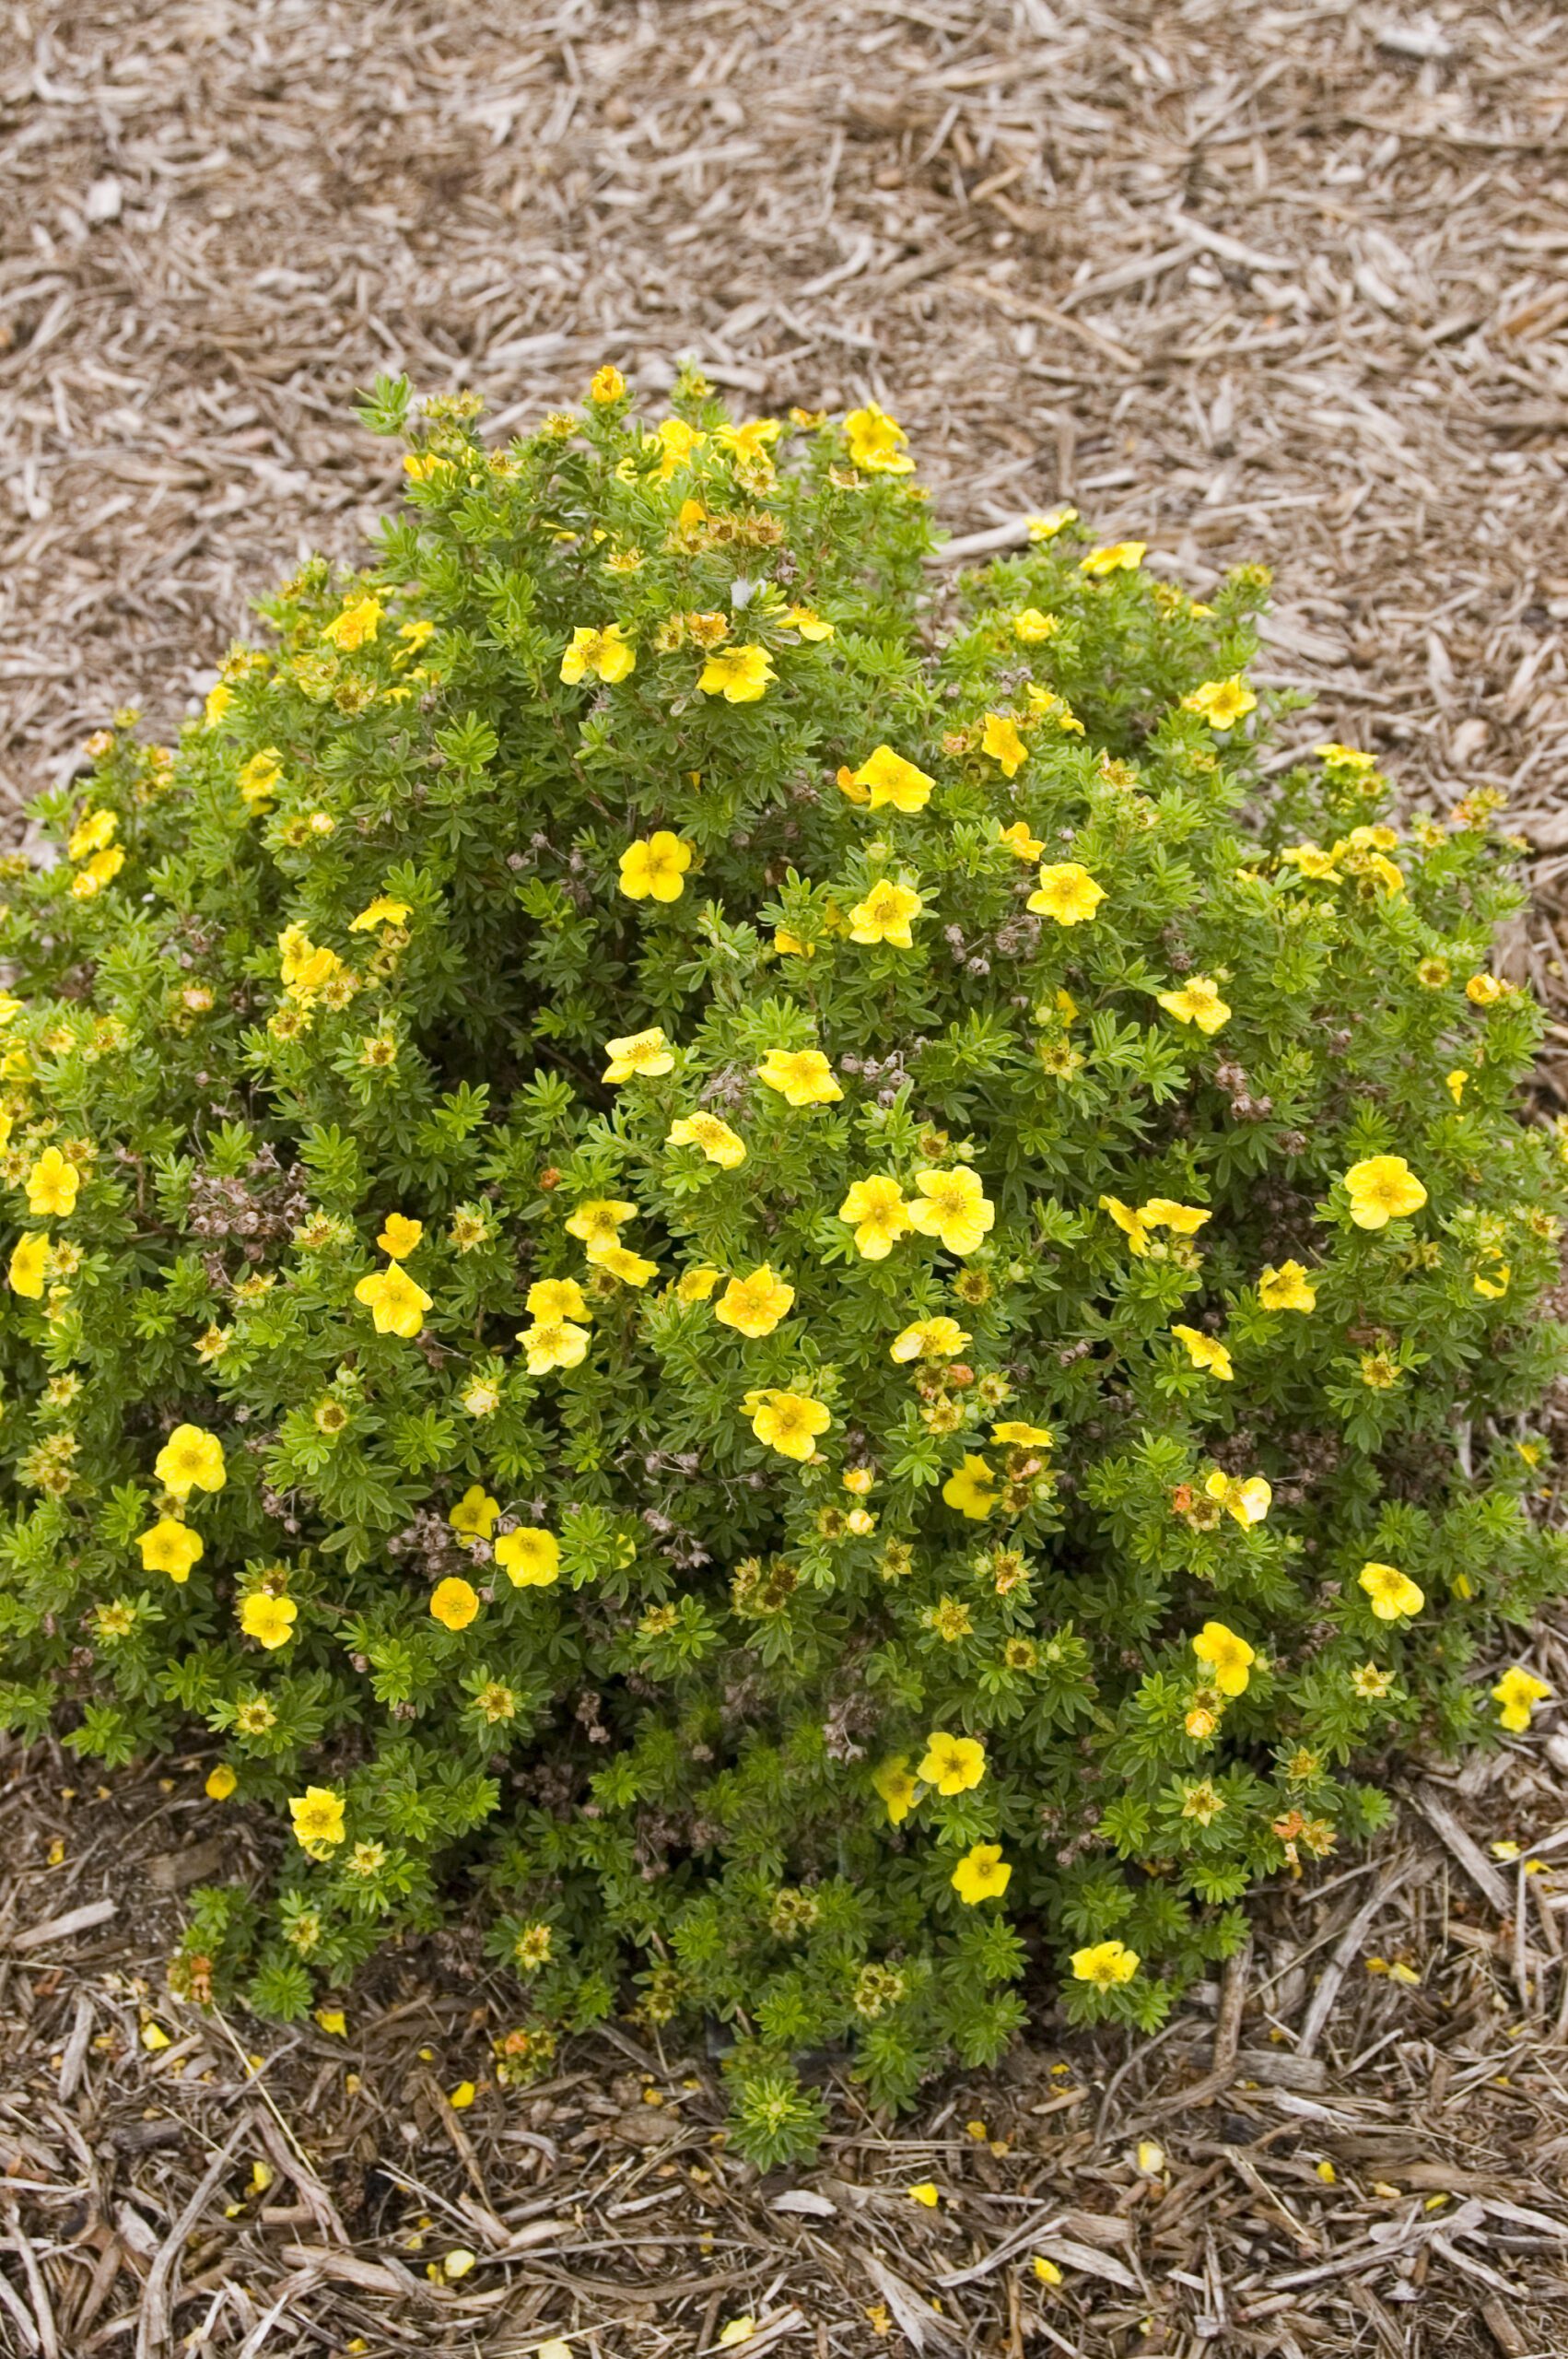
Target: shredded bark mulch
[1284, 283]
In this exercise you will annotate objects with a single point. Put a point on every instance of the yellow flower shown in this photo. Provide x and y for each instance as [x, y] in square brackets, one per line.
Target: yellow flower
[1105, 1963]
[1046, 528]
[1221, 702]
[397, 1303]
[631, 1269]
[357, 624]
[953, 1763]
[925, 2192]
[1046, 2271]
[1030, 625]
[1393, 1594]
[719, 1143]
[641, 1056]
[882, 916]
[1121, 557]
[787, 1422]
[400, 1236]
[455, 1603]
[258, 779]
[101, 869]
[876, 441]
[1230, 1659]
[1286, 1288]
[1484, 991]
[790, 945]
[598, 1221]
[190, 1459]
[972, 1490]
[474, 1517]
[801, 1077]
[553, 1343]
[1198, 1002]
[1249, 1502]
[556, 1298]
[1164, 1212]
[51, 1186]
[606, 385]
[807, 622]
[93, 830]
[529, 1557]
[318, 1816]
[269, 1620]
[220, 1783]
[928, 1339]
[1454, 1084]
[754, 1305]
[1383, 1189]
[1020, 842]
[171, 1547]
[29, 1260]
[697, 1284]
[1495, 1286]
[219, 699]
[1518, 1693]
[1014, 1433]
[655, 867]
[886, 777]
[606, 654]
[878, 1208]
[952, 1207]
[896, 1787]
[981, 1874]
[1000, 740]
[380, 912]
[1205, 1353]
[738, 675]
[1067, 893]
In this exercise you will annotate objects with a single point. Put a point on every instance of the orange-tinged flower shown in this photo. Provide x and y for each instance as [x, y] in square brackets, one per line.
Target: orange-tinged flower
[396, 1302]
[655, 866]
[1383, 1189]
[1066, 892]
[455, 1603]
[529, 1557]
[981, 1874]
[192, 1458]
[886, 777]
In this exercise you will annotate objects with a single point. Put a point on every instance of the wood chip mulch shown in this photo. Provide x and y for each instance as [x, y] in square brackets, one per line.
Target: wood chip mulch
[1284, 282]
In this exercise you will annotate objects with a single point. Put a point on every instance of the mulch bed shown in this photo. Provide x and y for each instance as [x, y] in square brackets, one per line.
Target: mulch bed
[1283, 282]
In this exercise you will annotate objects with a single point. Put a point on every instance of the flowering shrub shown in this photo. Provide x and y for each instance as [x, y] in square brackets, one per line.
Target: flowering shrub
[758, 1272]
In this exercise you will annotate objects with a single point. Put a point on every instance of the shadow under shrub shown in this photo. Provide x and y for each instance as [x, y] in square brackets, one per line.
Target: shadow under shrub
[755, 1268]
